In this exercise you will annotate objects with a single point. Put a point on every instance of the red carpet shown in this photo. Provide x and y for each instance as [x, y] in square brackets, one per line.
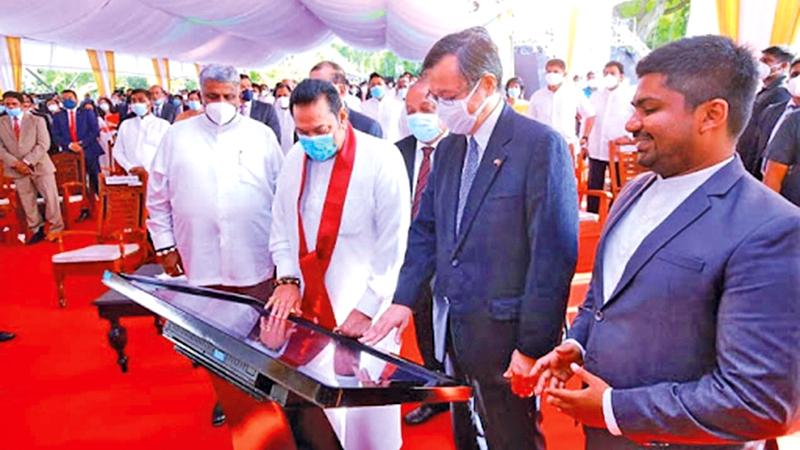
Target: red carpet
[60, 387]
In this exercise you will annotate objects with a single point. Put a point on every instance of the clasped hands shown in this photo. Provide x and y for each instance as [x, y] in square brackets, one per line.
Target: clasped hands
[286, 300]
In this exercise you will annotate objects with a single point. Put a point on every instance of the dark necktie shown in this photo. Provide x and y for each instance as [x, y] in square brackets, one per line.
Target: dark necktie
[422, 180]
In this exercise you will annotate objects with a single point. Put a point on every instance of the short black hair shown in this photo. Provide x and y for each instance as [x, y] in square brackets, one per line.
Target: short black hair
[69, 91]
[15, 95]
[142, 91]
[517, 80]
[281, 84]
[310, 90]
[376, 75]
[709, 67]
[616, 64]
[475, 52]
[244, 76]
[782, 54]
[558, 63]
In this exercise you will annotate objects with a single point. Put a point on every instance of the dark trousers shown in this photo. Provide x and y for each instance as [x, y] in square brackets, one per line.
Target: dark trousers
[597, 180]
[423, 325]
[480, 349]
[92, 171]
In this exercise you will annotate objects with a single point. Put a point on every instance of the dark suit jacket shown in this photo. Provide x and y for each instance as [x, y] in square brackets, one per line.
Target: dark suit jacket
[365, 124]
[265, 113]
[168, 111]
[408, 148]
[516, 251]
[87, 129]
[695, 338]
[747, 146]
[764, 126]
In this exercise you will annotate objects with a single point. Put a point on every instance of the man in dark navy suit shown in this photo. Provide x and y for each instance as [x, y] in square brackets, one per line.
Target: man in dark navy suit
[418, 152]
[498, 227]
[162, 107]
[333, 73]
[77, 129]
[258, 110]
[773, 116]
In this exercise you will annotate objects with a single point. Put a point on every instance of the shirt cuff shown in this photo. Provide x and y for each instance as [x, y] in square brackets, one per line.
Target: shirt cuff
[608, 414]
[370, 303]
[577, 344]
[163, 240]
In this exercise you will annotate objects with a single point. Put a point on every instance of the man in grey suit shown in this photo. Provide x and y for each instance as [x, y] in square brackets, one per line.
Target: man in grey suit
[24, 142]
[688, 333]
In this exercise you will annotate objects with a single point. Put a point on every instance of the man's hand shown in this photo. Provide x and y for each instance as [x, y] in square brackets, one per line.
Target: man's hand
[172, 264]
[356, 324]
[584, 152]
[75, 147]
[585, 405]
[518, 369]
[397, 316]
[22, 168]
[553, 369]
[275, 332]
[284, 301]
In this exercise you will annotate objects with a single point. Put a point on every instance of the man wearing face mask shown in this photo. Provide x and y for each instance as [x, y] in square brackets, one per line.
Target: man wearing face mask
[782, 156]
[514, 92]
[498, 227]
[386, 109]
[612, 103]
[333, 73]
[162, 107]
[139, 138]
[282, 94]
[427, 130]
[257, 110]
[194, 106]
[339, 265]
[558, 105]
[772, 68]
[23, 149]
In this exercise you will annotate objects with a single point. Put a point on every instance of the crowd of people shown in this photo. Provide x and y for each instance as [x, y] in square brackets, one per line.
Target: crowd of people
[452, 199]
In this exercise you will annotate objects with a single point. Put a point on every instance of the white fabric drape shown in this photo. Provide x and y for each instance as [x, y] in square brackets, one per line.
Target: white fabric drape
[248, 33]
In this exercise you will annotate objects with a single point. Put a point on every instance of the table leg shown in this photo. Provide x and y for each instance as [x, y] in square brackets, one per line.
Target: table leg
[118, 338]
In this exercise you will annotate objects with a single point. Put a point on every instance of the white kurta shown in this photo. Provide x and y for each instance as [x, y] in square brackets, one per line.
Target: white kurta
[558, 109]
[210, 193]
[138, 139]
[366, 260]
[387, 112]
[287, 128]
[613, 110]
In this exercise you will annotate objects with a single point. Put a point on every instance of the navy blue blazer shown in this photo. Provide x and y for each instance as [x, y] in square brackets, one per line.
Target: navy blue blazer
[168, 111]
[88, 131]
[764, 126]
[699, 338]
[365, 124]
[516, 252]
[265, 113]
[408, 148]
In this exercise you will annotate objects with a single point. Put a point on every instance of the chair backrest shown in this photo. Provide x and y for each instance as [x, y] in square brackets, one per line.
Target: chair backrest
[622, 167]
[70, 168]
[122, 205]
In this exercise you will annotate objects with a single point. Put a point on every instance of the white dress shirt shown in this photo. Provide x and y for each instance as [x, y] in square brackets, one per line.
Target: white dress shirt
[352, 102]
[388, 112]
[558, 109]
[287, 128]
[653, 206]
[210, 193]
[613, 109]
[138, 139]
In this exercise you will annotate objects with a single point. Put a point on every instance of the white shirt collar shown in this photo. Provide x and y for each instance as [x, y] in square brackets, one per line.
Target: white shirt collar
[693, 179]
[433, 144]
[484, 132]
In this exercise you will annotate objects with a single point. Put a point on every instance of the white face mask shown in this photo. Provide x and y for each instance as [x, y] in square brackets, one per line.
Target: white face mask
[220, 112]
[283, 102]
[610, 81]
[53, 108]
[794, 86]
[554, 78]
[764, 70]
[455, 114]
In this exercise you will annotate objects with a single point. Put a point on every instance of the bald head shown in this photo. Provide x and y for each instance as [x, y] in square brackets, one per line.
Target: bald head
[417, 99]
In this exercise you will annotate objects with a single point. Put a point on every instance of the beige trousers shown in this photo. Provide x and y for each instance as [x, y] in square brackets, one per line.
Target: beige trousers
[27, 187]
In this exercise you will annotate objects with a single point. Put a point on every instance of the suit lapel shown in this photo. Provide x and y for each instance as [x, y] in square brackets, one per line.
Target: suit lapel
[688, 212]
[493, 157]
[448, 174]
[410, 155]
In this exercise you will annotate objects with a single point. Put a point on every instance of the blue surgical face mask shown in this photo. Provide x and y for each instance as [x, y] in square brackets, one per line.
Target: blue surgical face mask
[176, 102]
[377, 91]
[70, 103]
[14, 112]
[194, 105]
[514, 92]
[159, 101]
[318, 148]
[247, 95]
[140, 109]
[2, 108]
[424, 126]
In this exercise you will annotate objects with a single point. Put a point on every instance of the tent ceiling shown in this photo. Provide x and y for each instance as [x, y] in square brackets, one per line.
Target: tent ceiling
[247, 33]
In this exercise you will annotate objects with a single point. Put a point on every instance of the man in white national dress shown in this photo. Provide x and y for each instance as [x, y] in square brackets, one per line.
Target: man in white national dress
[339, 265]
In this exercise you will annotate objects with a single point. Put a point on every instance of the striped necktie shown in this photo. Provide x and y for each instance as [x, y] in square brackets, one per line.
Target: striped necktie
[467, 177]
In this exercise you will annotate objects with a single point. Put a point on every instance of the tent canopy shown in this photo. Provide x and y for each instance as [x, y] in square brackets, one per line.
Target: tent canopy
[249, 33]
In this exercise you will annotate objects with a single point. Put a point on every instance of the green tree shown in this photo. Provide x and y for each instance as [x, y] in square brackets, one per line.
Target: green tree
[132, 82]
[657, 21]
[384, 62]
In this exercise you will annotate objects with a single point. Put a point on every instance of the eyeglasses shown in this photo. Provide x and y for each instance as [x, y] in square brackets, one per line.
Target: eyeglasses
[452, 100]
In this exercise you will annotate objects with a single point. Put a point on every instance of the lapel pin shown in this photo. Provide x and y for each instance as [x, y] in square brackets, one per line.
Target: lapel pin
[498, 162]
